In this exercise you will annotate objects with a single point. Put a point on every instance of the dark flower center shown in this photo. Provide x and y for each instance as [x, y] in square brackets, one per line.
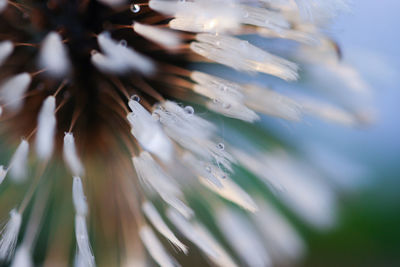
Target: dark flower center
[88, 100]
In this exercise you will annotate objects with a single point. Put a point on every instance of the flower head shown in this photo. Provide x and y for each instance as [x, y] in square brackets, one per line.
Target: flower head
[100, 84]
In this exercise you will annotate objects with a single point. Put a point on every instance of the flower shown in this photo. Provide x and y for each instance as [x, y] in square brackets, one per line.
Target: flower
[100, 84]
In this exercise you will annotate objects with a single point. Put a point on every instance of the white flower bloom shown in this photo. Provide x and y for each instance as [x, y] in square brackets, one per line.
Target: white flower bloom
[140, 112]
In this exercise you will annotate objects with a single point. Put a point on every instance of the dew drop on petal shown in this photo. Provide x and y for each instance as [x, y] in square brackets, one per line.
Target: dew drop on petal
[135, 8]
[135, 98]
[123, 43]
[221, 146]
[189, 110]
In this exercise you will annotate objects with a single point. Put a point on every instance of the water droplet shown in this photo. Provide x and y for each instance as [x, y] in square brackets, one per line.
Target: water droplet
[221, 146]
[123, 43]
[208, 168]
[135, 98]
[135, 8]
[189, 110]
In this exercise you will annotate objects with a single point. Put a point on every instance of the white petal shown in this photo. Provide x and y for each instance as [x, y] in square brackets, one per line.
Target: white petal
[241, 236]
[153, 175]
[200, 16]
[301, 188]
[113, 3]
[3, 5]
[9, 235]
[78, 196]
[260, 168]
[46, 129]
[241, 55]
[85, 254]
[6, 47]
[330, 113]
[263, 17]
[232, 192]
[192, 132]
[223, 259]
[119, 58]
[148, 132]
[178, 122]
[155, 248]
[3, 173]
[13, 89]
[227, 97]
[203, 169]
[234, 110]
[22, 257]
[198, 235]
[282, 239]
[320, 11]
[155, 218]
[187, 229]
[19, 160]
[307, 34]
[272, 103]
[71, 156]
[157, 35]
[53, 55]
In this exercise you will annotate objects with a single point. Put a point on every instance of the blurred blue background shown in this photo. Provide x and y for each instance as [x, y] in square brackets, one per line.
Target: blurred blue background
[368, 233]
